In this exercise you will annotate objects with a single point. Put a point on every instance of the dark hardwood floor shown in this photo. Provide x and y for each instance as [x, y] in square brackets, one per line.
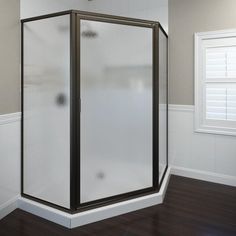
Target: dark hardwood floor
[191, 207]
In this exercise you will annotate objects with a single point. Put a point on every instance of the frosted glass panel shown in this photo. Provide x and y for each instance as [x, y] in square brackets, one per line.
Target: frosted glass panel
[162, 103]
[46, 109]
[116, 109]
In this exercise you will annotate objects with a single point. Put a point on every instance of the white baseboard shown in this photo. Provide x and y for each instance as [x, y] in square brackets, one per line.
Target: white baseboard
[204, 175]
[8, 207]
[48, 213]
[101, 213]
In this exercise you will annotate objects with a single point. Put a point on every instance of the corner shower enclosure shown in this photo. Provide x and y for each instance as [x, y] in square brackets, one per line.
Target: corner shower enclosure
[94, 109]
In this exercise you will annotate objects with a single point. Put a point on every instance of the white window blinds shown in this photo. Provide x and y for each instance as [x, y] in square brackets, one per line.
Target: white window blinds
[220, 79]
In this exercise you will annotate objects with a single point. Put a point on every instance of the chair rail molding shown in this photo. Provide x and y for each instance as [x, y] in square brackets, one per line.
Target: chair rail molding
[205, 156]
[9, 118]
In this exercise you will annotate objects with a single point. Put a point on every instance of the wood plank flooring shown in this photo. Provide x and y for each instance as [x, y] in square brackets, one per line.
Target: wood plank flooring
[191, 207]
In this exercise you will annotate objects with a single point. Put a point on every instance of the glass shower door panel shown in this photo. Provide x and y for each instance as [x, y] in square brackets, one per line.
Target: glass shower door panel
[116, 109]
[46, 110]
[162, 103]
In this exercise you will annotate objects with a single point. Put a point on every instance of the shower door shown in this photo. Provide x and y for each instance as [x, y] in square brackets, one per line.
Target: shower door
[116, 119]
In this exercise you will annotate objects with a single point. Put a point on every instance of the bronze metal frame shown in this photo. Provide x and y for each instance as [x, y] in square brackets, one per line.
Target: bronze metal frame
[75, 17]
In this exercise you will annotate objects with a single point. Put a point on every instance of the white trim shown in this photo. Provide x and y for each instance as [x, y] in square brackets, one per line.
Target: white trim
[204, 175]
[215, 34]
[8, 207]
[101, 213]
[206, 129]
[196, 80]
[176, 107]
[9, 118]
[215, 130]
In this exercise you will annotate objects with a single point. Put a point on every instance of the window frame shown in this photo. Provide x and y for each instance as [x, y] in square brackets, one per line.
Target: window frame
[202, 124]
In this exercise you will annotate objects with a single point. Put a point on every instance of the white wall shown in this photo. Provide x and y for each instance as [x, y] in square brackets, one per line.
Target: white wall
[9, 162]
[30, 8]
[207, 156]
[150, 10]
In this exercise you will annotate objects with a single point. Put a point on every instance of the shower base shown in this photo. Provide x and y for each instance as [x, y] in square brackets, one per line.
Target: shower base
[90, 216]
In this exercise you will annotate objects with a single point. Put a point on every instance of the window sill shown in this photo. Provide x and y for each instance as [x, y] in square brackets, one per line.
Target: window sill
[216, 130]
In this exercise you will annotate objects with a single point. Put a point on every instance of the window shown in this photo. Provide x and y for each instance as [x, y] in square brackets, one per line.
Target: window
[215, 82]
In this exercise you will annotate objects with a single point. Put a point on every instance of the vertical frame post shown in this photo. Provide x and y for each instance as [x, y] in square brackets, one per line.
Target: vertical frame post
[159, 28]
[74, 116]
[78, 111]
[22, 107]
[155, 91]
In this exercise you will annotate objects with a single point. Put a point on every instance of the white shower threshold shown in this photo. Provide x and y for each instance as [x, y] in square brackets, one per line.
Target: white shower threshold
[101, 213]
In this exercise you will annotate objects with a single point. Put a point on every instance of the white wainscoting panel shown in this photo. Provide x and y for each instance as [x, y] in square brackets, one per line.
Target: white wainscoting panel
[9, 162]
[199, 153]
